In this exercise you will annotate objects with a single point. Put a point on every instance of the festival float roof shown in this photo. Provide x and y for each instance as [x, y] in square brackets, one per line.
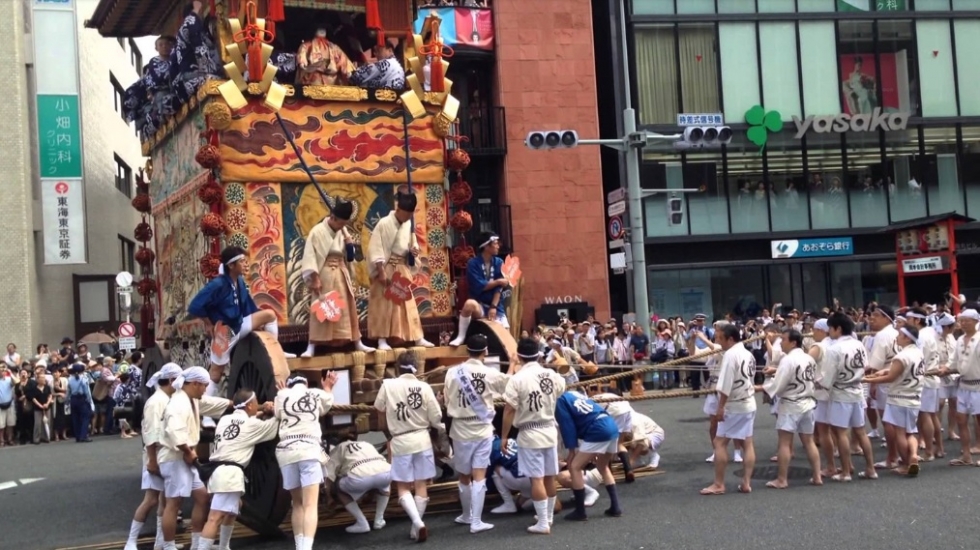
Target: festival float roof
[132, 18]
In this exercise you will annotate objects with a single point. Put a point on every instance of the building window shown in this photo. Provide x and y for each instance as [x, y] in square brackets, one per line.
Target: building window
[124, 177]
[117, 94]
[127, 255]
[653, 7]
[699, 68]
[935, 66]
[656, 74]
[739, 69]
[818, 53]
[780, 68]
[737, 6]
[135, 56]
[967, 68]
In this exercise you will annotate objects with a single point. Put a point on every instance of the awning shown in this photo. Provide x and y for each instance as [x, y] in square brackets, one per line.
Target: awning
[132, 18]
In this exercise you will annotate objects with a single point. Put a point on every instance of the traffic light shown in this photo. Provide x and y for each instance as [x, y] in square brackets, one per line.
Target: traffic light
[552, 139]
[697, 137]
[675, 211]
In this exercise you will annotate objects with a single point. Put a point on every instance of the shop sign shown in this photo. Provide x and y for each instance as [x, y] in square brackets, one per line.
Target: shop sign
[922, 265]
[839, 124]
[812, 248]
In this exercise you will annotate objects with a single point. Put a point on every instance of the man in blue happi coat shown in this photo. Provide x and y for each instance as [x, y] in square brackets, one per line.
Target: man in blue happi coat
[486, 286]
[591, 436]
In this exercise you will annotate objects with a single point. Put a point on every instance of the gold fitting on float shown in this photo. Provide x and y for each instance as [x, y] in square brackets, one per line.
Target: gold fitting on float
[275, 96]
[236, 76]
[266, 53]
[450, 109]
[236, 27]
[236, 56]
[413, 104]
[267, 76]
[415, 65]
[413, 83]
[232, 94]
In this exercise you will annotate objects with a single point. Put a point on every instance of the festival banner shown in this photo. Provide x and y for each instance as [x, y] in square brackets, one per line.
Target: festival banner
[462, 27]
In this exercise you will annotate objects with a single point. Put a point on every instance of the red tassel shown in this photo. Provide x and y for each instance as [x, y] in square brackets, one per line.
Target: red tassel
[255, 68]
[372, 14]
[435, 75]
[381, 38]
[276, 10]
[270, 26]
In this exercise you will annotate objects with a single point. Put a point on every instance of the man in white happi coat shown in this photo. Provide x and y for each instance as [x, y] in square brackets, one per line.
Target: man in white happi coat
[880, 359]
[793, 386]
[152, 430]
[356, 468]
[530, 398]
[298, 409]
[470, 390]
[966, 363]
[930, 427]
[822, 351]
[645, 440]
[949, 384]
[411, 410]
[177, 454]
[713, 365]
[621, 413]
[235, 438]
[736, 409]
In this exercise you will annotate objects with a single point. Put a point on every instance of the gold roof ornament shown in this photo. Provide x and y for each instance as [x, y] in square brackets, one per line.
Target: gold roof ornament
[250, 52]
[419, 47]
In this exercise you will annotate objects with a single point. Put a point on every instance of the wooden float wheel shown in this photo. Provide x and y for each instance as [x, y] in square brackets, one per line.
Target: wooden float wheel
[153, 360]
[500, 342]
[256, 363]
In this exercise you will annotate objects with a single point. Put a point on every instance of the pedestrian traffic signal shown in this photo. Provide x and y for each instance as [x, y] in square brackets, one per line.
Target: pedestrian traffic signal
[675, 211]
[696, 137]
[553, 139]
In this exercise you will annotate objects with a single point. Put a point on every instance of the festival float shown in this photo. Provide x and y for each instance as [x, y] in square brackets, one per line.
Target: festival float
[258, 156]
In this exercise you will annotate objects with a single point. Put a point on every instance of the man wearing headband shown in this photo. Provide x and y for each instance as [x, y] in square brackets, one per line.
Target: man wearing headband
[904, 398]
[392, 242]
[793, 385]
[235, 439]
[298, 409]
[329, 249]
[411, 409]
[822, 352]
[177, 453]
[883, 351]
[948, 384]
[713, 366]
[152, 433]
[224, 304]
[356, 468]
[929, 424]
[966, 363]
[591, 436]
[530, 399]
[470, 390]
[486, 287]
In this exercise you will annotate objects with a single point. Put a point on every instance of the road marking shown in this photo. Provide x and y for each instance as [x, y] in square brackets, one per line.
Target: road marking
[19, 482]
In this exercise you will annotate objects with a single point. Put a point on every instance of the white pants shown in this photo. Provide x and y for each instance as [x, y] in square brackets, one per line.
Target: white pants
[150, 482]
[968, 402]
[822, 413]
[847, 415]
[225, 357]
[737, 426]
[537, 463]
[414, 467]
[906, 418]
[930, 400]
[226, 502]
[520, 485]
[301, 474]
[796, 423]
[179, 479]
[356, 486]
[470, 455]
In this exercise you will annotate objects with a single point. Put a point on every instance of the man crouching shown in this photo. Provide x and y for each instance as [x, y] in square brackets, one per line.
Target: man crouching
[357, 468]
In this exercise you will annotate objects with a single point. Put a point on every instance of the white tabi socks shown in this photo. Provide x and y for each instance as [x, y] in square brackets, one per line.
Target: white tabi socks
[204, 544]
[464, 499]
[359, 346]
[551, 510]
[509, 506]
[541, 512]
[410, 505]
[464, 324]
[422, 342]
[383, 344]
[299, 542]
[134, 534]
[309, 351]
[478, 494]
[224, 537]
[361, 522]
[196, 541]
[380, 505]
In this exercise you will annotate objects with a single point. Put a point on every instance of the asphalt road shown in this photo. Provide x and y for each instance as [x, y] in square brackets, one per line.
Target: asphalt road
[88, 493]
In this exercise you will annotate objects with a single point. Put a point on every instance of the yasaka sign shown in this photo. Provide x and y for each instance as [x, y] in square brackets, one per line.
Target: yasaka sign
[841, 123]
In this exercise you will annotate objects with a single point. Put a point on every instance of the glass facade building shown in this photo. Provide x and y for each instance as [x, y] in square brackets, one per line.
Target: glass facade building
[871, 118]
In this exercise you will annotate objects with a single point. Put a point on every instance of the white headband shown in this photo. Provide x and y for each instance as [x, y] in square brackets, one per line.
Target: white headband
[821, 324]
[192, 374]
[945, 320]
[297, 380]
[908, 334]
[241, 406]
[221, 268]
[410, 368]
[490, 241]
[167, 372]
[970, 314]
[535, 356]
[914, 315]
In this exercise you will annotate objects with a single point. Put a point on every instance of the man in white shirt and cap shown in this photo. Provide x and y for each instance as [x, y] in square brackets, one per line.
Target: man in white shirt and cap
[930, 427]
[822, 351]
[177, 454]
[530, 399]
[880, 358]
[966, 363]
[944, 324]
[152, 430]
[411, 410]
[235, 438]
[793, 385]
[469, 393]
[356, 468]
[298, 408]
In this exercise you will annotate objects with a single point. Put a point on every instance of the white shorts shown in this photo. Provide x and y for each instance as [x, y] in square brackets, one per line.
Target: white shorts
[537, 463]
[179, 479]
[711, 405]
[225, 357]
[846, 415]
[796, 423]
[881, 399]
[906, 418]
[737, 426]
[470, 455]
[599, 448]
[930, 400]
[968, 402]
[226, 502]
[624, 422]
[948, 392]
[508, 482]
[8, 418]
[301, 474]
[414, 467]
[150, 482]
[822, 413]
[357, 486]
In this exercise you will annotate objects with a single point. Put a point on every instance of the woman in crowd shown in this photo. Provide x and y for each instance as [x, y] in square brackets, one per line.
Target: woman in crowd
[62, 418]
[42, 400]
[25, 409]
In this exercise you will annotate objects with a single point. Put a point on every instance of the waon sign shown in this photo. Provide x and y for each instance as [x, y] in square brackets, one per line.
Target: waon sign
[927, 246]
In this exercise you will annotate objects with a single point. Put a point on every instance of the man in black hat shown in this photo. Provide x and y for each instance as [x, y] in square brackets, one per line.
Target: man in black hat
[328, 250]
[225, 306]
[66, 352]
[486, 286]
[392, 240]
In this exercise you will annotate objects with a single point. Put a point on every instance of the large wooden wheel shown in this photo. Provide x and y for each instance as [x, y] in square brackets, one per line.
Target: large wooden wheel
[256, 363]
[499, 340]
[153, 360]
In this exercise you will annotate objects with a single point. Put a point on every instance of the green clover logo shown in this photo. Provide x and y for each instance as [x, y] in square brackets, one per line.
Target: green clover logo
[761, 123]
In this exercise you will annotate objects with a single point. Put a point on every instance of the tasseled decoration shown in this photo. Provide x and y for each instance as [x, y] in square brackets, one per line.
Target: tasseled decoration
[270, 26]
[373, 19]
[276, 11]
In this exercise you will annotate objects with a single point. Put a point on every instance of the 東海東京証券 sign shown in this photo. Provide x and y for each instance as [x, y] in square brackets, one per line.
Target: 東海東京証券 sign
[812, 248]
[59, 139]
